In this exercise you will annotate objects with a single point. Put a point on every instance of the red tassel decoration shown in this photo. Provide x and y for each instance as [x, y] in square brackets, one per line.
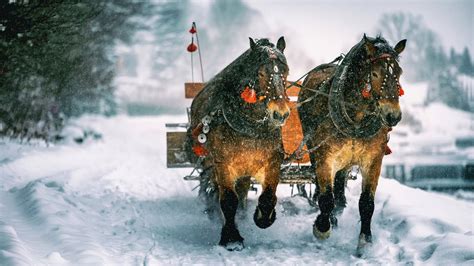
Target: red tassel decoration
[365, 93]
[192, 47]
[199, 150]
[249, 95]
[192, 30]
[401, 92]
[387, 150]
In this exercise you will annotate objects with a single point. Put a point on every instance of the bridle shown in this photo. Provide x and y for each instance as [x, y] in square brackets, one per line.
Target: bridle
[389, 78]
[242, 123]
[249, 94]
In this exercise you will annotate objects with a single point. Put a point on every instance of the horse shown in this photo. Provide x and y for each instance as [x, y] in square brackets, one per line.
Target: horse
[346, 112]
[235, 133]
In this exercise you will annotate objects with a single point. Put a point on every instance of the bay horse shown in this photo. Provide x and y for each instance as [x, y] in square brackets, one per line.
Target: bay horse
[235, 131]
[348, 110]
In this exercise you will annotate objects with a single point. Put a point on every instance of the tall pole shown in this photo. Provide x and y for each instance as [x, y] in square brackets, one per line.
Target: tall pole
[199, 51]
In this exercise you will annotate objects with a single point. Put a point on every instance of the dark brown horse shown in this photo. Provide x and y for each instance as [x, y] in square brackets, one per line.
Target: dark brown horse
[348, 110]
[236, 131]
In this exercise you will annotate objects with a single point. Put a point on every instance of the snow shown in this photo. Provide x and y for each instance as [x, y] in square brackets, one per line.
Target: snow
[113, 201]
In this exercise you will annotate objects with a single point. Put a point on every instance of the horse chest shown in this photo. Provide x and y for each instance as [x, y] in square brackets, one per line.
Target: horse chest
[345, 151]
[243, 156]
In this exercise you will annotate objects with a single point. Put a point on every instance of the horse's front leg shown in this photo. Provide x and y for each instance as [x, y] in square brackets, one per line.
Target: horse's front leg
[325, 179]
[228, 199]
[265, 213]
[370, 177]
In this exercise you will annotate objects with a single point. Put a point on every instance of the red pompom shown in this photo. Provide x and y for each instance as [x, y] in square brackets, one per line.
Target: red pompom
[365, 93]
[387, 150]
[401, 92]
[199, 150]
[192, 48]
[249, 95]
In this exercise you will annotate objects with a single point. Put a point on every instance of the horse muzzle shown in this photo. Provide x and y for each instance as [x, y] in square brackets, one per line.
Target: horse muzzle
[279, 118]
[390, 113]
[392, 119]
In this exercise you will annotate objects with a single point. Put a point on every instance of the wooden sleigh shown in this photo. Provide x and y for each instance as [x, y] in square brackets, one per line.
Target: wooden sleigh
[298, 172]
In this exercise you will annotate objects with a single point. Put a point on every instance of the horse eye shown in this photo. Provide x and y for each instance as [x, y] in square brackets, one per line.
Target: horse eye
[375, 74]
[260, 74]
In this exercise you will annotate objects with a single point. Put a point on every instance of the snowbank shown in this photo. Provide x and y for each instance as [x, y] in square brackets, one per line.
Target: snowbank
[113, 201]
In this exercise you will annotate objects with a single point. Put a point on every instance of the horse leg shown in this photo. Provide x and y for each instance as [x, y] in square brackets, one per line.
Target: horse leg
[265, 213]
[230, 236]
[312, 159]
[242, 186]
[339, 191]
[325, 176]
[370, 174]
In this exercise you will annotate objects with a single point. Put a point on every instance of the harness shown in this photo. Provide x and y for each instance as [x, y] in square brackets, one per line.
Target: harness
[241, 123]
[367, 129]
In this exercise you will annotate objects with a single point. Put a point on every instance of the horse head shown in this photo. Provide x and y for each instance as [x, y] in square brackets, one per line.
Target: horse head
[265, 91]
[382, 83]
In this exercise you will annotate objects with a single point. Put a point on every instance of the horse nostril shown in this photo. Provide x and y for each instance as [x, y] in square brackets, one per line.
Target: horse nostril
[277, 116]
[393, 119]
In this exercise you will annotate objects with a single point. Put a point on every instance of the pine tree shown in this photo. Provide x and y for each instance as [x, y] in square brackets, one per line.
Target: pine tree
[423, 44]
[465, 64]
[446, 89]
[57, 62]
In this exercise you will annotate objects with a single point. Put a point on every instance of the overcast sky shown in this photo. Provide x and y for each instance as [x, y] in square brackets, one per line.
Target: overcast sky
[326, 28]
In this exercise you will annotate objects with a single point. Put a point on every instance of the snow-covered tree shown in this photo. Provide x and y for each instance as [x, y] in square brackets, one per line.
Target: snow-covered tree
[446, 89]
[424, 53]
[55, 61]
[465, 64]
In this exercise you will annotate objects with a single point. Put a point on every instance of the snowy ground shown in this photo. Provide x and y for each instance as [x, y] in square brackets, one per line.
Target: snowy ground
[113, 201]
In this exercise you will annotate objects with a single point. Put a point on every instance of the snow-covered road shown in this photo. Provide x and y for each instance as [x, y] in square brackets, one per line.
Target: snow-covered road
[113, 201]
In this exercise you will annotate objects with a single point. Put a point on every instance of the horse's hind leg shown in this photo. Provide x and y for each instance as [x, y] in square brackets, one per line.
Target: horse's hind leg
[322, 225]
[339, 191]
[230, 236]
[242, 189]
[265, 213]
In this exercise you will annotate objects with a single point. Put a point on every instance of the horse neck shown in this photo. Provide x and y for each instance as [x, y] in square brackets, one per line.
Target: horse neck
[353, 85]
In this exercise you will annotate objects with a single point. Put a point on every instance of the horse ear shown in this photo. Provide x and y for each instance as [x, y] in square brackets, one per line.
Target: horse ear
[400, 46]
[252, 44]
[281, 44]
[370, 47]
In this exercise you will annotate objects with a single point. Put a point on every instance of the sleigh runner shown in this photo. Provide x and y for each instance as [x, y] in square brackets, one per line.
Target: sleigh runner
[298, 172]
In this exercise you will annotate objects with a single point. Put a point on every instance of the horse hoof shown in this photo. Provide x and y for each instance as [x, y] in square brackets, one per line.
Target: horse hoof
[234, 246]
[262, 219]
[365, 241]
[321, 235]
[231, 238]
